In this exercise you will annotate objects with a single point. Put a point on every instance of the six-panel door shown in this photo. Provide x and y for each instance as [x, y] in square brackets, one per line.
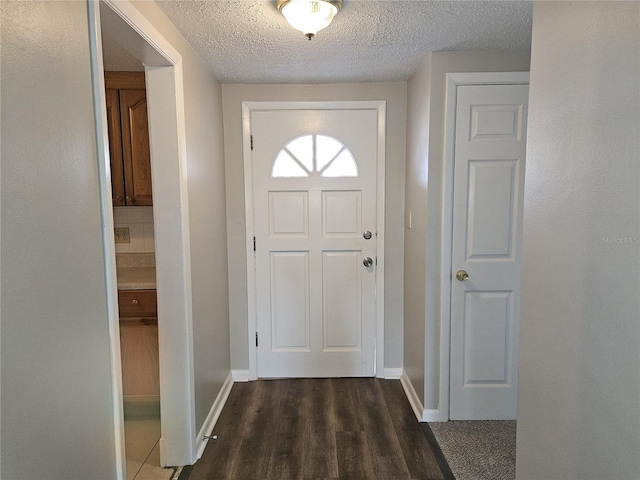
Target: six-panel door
[487, 225]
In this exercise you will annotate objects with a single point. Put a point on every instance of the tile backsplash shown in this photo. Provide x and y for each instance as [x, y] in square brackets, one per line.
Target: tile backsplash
[140, 223]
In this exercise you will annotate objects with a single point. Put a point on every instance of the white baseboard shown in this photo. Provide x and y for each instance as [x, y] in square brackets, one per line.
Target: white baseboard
[433, 415]
[162, 447]
[214, 413]
[412, 396]
[392, 373]
[240, 375]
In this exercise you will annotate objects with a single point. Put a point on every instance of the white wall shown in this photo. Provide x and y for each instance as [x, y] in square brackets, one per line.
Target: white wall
[57, 419]
[579, 390]
[207, 216]
[425, 169]
[395, 95]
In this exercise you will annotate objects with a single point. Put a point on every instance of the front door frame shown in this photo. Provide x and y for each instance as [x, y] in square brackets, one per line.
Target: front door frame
[247, 108]
[453, 81]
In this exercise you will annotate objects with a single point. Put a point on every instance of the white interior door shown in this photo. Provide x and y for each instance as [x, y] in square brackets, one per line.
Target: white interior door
[314, 174]
[491, 125]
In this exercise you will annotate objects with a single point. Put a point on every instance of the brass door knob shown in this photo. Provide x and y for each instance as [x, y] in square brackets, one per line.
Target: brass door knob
[134, 302]
[462, 276]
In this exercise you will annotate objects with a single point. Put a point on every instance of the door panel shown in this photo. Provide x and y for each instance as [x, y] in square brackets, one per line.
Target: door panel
[496, 122]
[115, 146]
[491, 218]
[290, 301]
[487, 224]
[135, 143]
[314, 192]
[341, 214]
[486, 333]
[288, 214]
[342, 294]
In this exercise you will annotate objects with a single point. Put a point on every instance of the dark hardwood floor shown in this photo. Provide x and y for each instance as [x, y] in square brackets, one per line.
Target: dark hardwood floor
[341, 428]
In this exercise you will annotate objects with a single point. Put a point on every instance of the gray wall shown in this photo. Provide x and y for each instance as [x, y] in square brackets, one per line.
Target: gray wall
[207, 216]
[396, 96]
[579, 390]
[57, 416]
[425, 167]
[415, 252]
[57, 412]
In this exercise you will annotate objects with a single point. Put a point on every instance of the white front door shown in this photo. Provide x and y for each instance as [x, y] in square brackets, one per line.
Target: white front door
[491, 125]
[314, 194]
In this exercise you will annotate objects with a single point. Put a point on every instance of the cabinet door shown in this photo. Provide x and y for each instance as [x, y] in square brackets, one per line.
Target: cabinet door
[115, 146]
[140, 363]
[135, 143]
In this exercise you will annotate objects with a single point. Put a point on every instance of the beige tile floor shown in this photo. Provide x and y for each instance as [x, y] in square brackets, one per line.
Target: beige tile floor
[142, 435]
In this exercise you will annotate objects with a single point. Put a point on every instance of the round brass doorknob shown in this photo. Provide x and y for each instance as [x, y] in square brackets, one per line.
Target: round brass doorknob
[462, 276]
[134, 302]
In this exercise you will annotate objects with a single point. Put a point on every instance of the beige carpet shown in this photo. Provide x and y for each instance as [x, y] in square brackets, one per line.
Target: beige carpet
[478, 450]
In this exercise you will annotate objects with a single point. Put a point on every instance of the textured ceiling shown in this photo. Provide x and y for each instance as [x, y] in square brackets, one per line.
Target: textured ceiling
[249, 41]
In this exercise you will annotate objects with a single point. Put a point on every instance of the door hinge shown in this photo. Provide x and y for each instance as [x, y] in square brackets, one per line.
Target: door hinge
[254, 244]
[256, 339]
[251, 140]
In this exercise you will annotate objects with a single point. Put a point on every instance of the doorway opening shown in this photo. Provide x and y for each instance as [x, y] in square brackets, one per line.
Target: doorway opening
[135, 258]
[140, 42]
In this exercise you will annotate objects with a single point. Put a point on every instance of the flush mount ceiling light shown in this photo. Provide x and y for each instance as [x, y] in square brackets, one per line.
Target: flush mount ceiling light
[309, 16]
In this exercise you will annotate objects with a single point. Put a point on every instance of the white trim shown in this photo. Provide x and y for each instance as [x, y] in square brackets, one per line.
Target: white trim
[164, 82]
[108, 241]
[247, 108]
[143, 27]
[392, 373]
[380, 209]
[214, 414]
[173, 263]
[250, 233]
[412, 396]
[241, 375]
[441, 414]
[434, 415]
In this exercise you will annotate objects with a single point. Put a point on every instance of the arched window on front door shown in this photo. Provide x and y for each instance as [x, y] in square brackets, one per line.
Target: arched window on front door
[315, 154]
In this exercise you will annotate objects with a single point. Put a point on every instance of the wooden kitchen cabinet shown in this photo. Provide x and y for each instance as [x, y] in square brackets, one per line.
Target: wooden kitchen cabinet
[128, 126]
[139, 348]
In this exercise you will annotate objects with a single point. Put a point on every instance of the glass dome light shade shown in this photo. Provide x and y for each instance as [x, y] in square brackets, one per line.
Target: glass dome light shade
[309, 16]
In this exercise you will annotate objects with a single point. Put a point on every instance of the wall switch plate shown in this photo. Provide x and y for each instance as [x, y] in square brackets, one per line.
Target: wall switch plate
[122, 235]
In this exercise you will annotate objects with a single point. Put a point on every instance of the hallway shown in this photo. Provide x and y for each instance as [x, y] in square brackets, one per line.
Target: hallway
[318, 428]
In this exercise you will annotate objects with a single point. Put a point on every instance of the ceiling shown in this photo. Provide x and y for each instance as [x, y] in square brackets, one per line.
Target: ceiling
[249, 41]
